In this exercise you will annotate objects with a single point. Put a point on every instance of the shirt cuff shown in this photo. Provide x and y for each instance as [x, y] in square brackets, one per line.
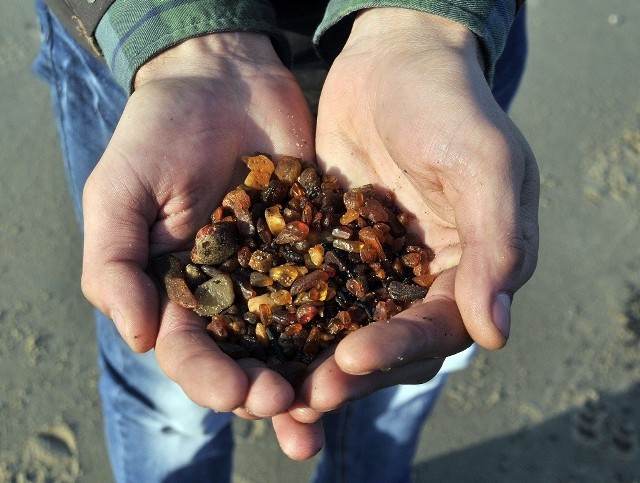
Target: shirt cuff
[489, 20]
[133, 31]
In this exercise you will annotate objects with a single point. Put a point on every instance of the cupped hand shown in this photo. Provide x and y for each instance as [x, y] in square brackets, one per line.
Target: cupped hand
[196, 109]
[406, 107]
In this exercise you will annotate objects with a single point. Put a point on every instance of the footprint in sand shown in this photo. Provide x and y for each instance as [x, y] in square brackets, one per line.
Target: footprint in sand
[595, 426]
[50, 456]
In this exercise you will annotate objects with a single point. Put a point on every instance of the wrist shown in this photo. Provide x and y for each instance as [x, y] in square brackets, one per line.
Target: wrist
[388, 27]
[232, 53]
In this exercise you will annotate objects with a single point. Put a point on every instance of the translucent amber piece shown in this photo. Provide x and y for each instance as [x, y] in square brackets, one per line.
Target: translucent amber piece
[319, 292]
[236, 326]
[368, 255]
[353, 199]
[293, 232]
[261, 334]
[350, 216]
[293, 329]
[244, 256]
[275, 220]
[374, 211]
[282, 297]
[343, 232]
[411, 260]
[288, 169]
[350, 246]
[316, 254]
[355, 287]
[284, 274]
[305, 313]
[378, 271]
[385, 309]
[373, 239]
[308, 281]
[261, 261]
[265, 313]
[302, 298]
[261, 169]
[312, 344]
[424, 280]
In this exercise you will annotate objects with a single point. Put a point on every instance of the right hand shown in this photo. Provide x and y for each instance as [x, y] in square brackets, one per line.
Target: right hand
[175, 152]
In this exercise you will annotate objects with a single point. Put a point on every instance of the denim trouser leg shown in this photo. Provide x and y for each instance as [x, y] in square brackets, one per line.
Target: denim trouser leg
[154, 432]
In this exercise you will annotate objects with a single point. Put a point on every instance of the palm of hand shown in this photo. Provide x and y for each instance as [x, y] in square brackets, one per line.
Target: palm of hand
[431, 133]
[173, 156]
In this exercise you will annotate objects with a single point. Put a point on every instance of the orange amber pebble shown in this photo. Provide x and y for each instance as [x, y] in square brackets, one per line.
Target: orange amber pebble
[218, 328]
[261, 334]
[349, 216]
[411, 260]
[425, 280]
[282, 297]
[320, 292]
[284, 274]
[265, 313]
[353, 199]
[217, 215]
[275, 220]
[261, 261]
[316, 254]
[373, 238]
[261, 169]
[293, 329]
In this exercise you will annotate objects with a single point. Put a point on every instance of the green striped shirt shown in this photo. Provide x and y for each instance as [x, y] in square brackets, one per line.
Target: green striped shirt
[133, 31]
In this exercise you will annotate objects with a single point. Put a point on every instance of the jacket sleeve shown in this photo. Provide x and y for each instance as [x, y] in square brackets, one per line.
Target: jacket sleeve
[489, 20]
[133, 31]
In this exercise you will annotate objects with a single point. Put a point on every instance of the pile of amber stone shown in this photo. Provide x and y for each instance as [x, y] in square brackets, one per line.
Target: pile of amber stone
[292, 262]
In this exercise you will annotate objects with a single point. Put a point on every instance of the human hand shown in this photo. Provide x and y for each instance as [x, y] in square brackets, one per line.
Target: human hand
[406, 107]
[196, 109]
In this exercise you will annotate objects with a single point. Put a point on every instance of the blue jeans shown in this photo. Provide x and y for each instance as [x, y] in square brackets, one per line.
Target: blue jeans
[154, 432]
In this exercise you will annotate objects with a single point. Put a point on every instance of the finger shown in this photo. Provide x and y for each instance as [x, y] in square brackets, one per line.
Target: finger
[191, 358]
[297, 440]
[269, 393]
[500, 245]
[328, 387]
[114, 259]
[428, 329]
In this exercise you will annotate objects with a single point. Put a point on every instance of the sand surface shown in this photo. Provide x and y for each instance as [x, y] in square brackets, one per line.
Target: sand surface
[560, 403]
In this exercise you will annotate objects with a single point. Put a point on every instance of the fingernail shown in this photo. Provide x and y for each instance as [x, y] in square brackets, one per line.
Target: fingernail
[502, 313]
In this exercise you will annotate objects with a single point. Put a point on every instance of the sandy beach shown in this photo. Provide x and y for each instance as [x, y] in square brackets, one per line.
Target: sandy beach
[561, 403]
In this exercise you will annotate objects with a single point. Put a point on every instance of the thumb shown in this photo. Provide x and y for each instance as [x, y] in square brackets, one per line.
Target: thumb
[114, 259]
[499, 250]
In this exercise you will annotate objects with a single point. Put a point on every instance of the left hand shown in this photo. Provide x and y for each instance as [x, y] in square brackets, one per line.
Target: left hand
[407, 108]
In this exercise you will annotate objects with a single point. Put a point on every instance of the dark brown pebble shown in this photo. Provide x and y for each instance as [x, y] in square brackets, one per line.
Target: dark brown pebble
[406, 292]
[215, 243]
